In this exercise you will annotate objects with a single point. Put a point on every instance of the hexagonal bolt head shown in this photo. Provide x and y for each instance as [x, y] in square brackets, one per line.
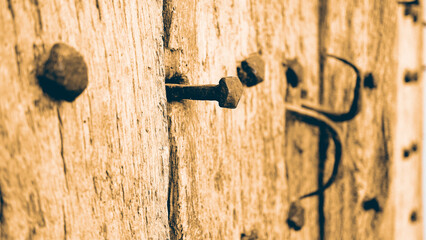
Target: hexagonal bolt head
[252, 70]
[228, 92]
[65, 73]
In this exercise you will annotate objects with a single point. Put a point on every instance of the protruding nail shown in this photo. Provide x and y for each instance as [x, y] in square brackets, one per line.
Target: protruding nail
[252, 70]
[228, 92]
[64, 76]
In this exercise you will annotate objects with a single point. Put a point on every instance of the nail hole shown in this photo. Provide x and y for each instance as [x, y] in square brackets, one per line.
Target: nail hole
[292, 77]
[410, 77]
[406, 153]
[296, 216]
[414, 15]
[369, 81]
[413, 216]
[414, 147]
[1, 207]
[371, 204]
[303, 94]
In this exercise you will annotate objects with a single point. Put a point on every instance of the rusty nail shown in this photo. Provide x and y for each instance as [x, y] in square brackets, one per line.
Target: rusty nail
[64, 76]
[252, 70]
[228, 92]
[296, 216]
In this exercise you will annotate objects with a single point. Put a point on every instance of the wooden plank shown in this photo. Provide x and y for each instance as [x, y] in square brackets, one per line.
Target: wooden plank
[366, 202]
[97, 167]
[408, 156]
[234, 173]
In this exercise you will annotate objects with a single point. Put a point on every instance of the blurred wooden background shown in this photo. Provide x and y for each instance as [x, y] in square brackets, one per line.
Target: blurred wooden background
[121, 163]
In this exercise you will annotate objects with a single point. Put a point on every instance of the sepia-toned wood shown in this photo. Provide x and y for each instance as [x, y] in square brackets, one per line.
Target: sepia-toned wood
[234, 173]
[378, 38]
[121, 163]
[97, 167]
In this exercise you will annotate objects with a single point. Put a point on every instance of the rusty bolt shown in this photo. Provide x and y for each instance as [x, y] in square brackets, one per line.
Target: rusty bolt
[228, 92]
[252, 70]
[296, 216]
[64, 76]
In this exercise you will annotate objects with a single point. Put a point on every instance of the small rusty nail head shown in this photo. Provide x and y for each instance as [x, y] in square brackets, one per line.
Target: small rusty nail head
[411, 76]
[64, 76]
[296, 216]
[228, 92]
[252, 70]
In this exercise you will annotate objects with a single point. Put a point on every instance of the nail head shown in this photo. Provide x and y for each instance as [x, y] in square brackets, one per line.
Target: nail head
[230, 91]
[252, 70]
[65, 74]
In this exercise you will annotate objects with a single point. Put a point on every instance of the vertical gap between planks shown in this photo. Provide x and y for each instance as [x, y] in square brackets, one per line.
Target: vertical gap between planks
[323, 139]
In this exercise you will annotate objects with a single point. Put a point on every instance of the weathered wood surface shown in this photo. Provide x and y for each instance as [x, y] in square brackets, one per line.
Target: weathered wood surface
[211, 146]
[231, 172]
[97, 167]
[407, 180]
[376, 36]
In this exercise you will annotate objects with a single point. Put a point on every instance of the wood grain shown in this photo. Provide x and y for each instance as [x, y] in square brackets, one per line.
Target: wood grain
[371, 34]
[234, 172]
[97, 167]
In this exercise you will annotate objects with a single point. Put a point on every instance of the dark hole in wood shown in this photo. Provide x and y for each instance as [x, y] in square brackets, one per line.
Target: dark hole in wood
[292, 77]
[410, 77]
[413, 216]
[303, 94]
[369, 81]
[296, 216]
[371, 204]
[406, 153]
[415, 17]
[414, 147]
